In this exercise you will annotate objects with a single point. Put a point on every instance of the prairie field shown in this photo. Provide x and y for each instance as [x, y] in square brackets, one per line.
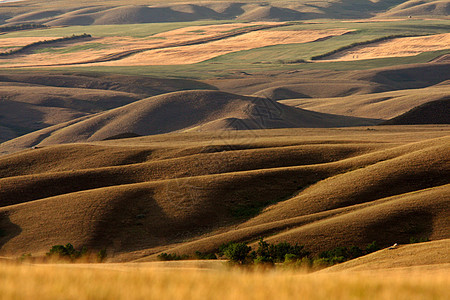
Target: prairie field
[224, 149]
[141, 281]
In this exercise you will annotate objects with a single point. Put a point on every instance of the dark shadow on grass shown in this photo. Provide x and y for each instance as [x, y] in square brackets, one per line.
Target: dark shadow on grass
[8, 230]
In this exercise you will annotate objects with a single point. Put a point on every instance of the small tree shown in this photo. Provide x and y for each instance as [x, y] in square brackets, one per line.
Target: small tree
[237, 252]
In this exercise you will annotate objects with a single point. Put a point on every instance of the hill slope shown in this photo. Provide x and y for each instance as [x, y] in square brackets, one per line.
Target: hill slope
[435, 112]
[194, 191]
[423, 254]
[34, 101]
[139, 11]
[180, 111]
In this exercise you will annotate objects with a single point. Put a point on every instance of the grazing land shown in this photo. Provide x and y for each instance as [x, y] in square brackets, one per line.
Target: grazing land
[138, 281]
[306, 141]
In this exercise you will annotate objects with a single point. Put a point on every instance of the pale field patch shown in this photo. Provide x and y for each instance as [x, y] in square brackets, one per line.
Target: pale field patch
[398, 47]
[143, 282]
[198, 53]
[116, 43]
[172, 55]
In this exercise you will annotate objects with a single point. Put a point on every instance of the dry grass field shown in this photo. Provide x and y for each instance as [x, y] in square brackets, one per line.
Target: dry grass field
[162, 130]
[137, 282]
[407, 46]
[194, 191]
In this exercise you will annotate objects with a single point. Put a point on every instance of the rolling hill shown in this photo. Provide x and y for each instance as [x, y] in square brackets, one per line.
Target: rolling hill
[424, 255]
[181, 111]
[34, 101]
[62, 12]
[187, 192]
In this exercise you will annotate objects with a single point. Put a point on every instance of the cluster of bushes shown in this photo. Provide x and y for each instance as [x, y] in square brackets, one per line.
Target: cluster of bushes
[384, 38]
[166, 257]
[269, 254]
[21, 27]
[414, 240]
[289, 62]
[68, 252]
[45, 42]
[341, 254]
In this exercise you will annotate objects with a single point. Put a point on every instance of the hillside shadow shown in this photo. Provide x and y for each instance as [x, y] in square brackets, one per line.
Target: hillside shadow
[400, 228]
[8, 230]
[133, 221]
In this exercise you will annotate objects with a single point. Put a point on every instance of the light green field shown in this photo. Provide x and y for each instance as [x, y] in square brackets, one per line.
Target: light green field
[363, 32]
[133, 30]
[212, 69]
[271, 58]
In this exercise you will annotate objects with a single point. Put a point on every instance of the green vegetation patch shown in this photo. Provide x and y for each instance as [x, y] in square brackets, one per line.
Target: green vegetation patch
[132, 30]
[90, 46]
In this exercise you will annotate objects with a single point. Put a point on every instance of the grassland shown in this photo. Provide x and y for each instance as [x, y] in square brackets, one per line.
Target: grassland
[135, 166]
[362, 32]
[140, 281]
[132, 30]
[266, 59]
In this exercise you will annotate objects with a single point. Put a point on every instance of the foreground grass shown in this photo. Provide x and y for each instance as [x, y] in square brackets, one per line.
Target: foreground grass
[143, 282]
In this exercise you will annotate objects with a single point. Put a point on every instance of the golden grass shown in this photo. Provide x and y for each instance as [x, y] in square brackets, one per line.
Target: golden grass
[384, 105]
[141, 282]
[198, 53]
[325, 180]
[407, 46]
[167, 56]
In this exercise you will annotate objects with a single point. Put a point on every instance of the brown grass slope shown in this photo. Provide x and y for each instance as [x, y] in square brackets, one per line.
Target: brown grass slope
[327, 84]
[270, 13]
[435, 112]
[34, 101]
[383, 105]
[24, 108]
[63, 13]
[180, 111]
[428, 254]
[143, 195]
[419, 8]
[145, 85]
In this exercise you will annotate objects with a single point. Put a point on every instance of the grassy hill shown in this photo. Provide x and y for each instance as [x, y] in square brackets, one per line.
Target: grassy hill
[63, 12]
[426, 255]
[194, 191]
[34, 101]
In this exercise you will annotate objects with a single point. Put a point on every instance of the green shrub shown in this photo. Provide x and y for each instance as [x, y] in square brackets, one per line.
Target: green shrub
[222, 248]
[290, 258]
[277, 252]
[263, 260]
[101, 255]
[200, 255]
[372, 247]
[24, 257]
[166, 257]
[413, 240]
[238, 253]
[355, 252]
[320, 263]
[66, 252]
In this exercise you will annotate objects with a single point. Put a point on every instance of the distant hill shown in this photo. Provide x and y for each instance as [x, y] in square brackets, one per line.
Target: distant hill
[181, 111]
[434, 112]
[415, 8]
[58, 13]
[34, 101]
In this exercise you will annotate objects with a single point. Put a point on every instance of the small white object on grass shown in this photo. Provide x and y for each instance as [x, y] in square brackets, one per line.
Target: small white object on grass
[393, 246]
